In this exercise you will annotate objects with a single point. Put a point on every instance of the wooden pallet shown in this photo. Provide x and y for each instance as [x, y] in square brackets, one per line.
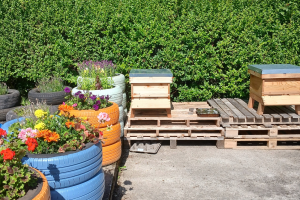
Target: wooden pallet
[180, 116]
[260, 131]
[283, 144]
[236, 111]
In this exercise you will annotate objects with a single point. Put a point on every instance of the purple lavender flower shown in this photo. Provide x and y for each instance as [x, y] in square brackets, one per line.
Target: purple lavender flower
[98, 102]
[67, 90]
[102, 97]
[94, 97]
[107, 97]
[96, 107]
[81, 96]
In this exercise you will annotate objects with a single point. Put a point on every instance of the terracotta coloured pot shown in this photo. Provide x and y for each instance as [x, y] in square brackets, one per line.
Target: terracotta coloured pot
[112, 111]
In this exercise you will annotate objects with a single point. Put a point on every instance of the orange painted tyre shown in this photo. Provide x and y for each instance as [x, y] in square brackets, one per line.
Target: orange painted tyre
[112, 136]
[112, 111]
[45, 191]
[111, 153]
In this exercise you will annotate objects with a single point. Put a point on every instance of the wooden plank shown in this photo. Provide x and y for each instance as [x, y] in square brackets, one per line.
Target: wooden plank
[181, 138]
[251, 110]
[281, 100]
[150, 104]
[272, 76]
[225, 108]
[150, 79]
[278, 111]
[221, 111]
[282, 86]
[234, 109]
[173, 143]
[274, 115]
[242, 109]
[150, 90]
[289, 112]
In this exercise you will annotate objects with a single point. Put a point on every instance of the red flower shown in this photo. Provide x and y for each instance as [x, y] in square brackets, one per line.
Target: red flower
[3, 132]
[31, 143]
[8, 154]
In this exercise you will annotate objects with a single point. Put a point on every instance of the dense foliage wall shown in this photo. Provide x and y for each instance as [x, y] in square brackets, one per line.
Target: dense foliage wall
[206, 43]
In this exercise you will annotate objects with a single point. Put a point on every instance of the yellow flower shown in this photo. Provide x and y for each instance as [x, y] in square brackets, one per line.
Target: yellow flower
[39, 113]
[84, 118]
[40, 126]
[51, 116]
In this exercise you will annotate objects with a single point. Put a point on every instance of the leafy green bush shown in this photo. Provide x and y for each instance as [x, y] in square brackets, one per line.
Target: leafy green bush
[3, 88]
[207, 44]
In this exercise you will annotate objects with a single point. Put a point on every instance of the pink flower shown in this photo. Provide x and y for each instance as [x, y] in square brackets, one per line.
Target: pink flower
[27, 133]
[64, 103]
[74, 105]
[103, 117]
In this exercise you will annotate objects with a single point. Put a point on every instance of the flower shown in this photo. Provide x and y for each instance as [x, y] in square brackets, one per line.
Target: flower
[107, 97]
[77, 93]
[31, 143]
[84, 118]
[2, 133]
[74, 105]
[27, 133]
[70, 124]
[51, 116]
[81, 96]
[42, 133]
[8, 154]
[103, 117]
[96, 107]
[94, 97]
[102, 97]
[40, 113]
[98, 102]
[40, 126]
[67, 90]
[52, 137]
[65, 108]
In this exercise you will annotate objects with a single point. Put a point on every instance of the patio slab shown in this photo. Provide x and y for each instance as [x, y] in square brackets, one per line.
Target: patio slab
[201, 171]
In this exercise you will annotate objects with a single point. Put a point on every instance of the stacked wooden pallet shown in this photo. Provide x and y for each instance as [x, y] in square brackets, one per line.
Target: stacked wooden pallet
[155, 125]
[278, 128]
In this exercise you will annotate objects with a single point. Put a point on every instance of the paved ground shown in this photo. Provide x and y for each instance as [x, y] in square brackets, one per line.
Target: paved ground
[205, 172]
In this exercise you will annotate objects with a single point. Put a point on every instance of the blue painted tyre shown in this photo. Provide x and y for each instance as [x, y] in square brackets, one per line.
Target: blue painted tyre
[92, 189]
[6, 125]
[68, 170]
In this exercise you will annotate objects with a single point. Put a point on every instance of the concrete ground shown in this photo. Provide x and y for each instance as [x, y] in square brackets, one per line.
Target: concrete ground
[201, 171]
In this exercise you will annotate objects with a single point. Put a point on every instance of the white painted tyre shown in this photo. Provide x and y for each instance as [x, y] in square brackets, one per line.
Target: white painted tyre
[115, 94]
[124, 100]
[121, 115]
[119, 80]
[122, 128]
[125, 114]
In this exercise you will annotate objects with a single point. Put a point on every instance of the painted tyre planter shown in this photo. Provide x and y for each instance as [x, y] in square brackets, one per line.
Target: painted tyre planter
[115, 94]
[119, 80]
[121, 113]
[122, 128]
[51, 98]
[70, 168]
[112, 111]
[9, 100]
[92, 189]
[124, 100]
[6, 125]
[111, 136]
[41, 192]
[112, 153]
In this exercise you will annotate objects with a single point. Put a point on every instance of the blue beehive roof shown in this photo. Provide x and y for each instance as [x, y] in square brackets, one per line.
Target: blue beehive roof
[275, 69]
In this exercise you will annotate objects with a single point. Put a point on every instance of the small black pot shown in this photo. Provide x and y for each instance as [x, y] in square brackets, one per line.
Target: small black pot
[9, 100]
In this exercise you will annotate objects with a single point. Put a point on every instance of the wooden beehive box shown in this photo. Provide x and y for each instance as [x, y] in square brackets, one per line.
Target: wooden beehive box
[273, 85]
[150, 89]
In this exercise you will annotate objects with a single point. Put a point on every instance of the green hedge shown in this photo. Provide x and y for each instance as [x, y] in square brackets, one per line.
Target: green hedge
[207, 44]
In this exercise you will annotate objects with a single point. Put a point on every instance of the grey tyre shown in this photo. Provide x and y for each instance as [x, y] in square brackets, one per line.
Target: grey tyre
[124, 100]
[9, 100]
[51, 98]
[121, 111]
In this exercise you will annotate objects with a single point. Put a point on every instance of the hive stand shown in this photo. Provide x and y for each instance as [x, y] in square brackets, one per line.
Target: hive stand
[150, 89]
[274, 85]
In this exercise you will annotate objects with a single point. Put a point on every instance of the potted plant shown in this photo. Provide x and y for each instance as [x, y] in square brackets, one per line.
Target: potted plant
[107, 83]
[50, 90]
[97, 109]
[18, 181]
[66, 149]
[8, 98]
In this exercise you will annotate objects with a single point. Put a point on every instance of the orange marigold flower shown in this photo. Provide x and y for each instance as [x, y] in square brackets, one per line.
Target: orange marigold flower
[70, 124]
[52, 137]
[43, 133]
[65, 108]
